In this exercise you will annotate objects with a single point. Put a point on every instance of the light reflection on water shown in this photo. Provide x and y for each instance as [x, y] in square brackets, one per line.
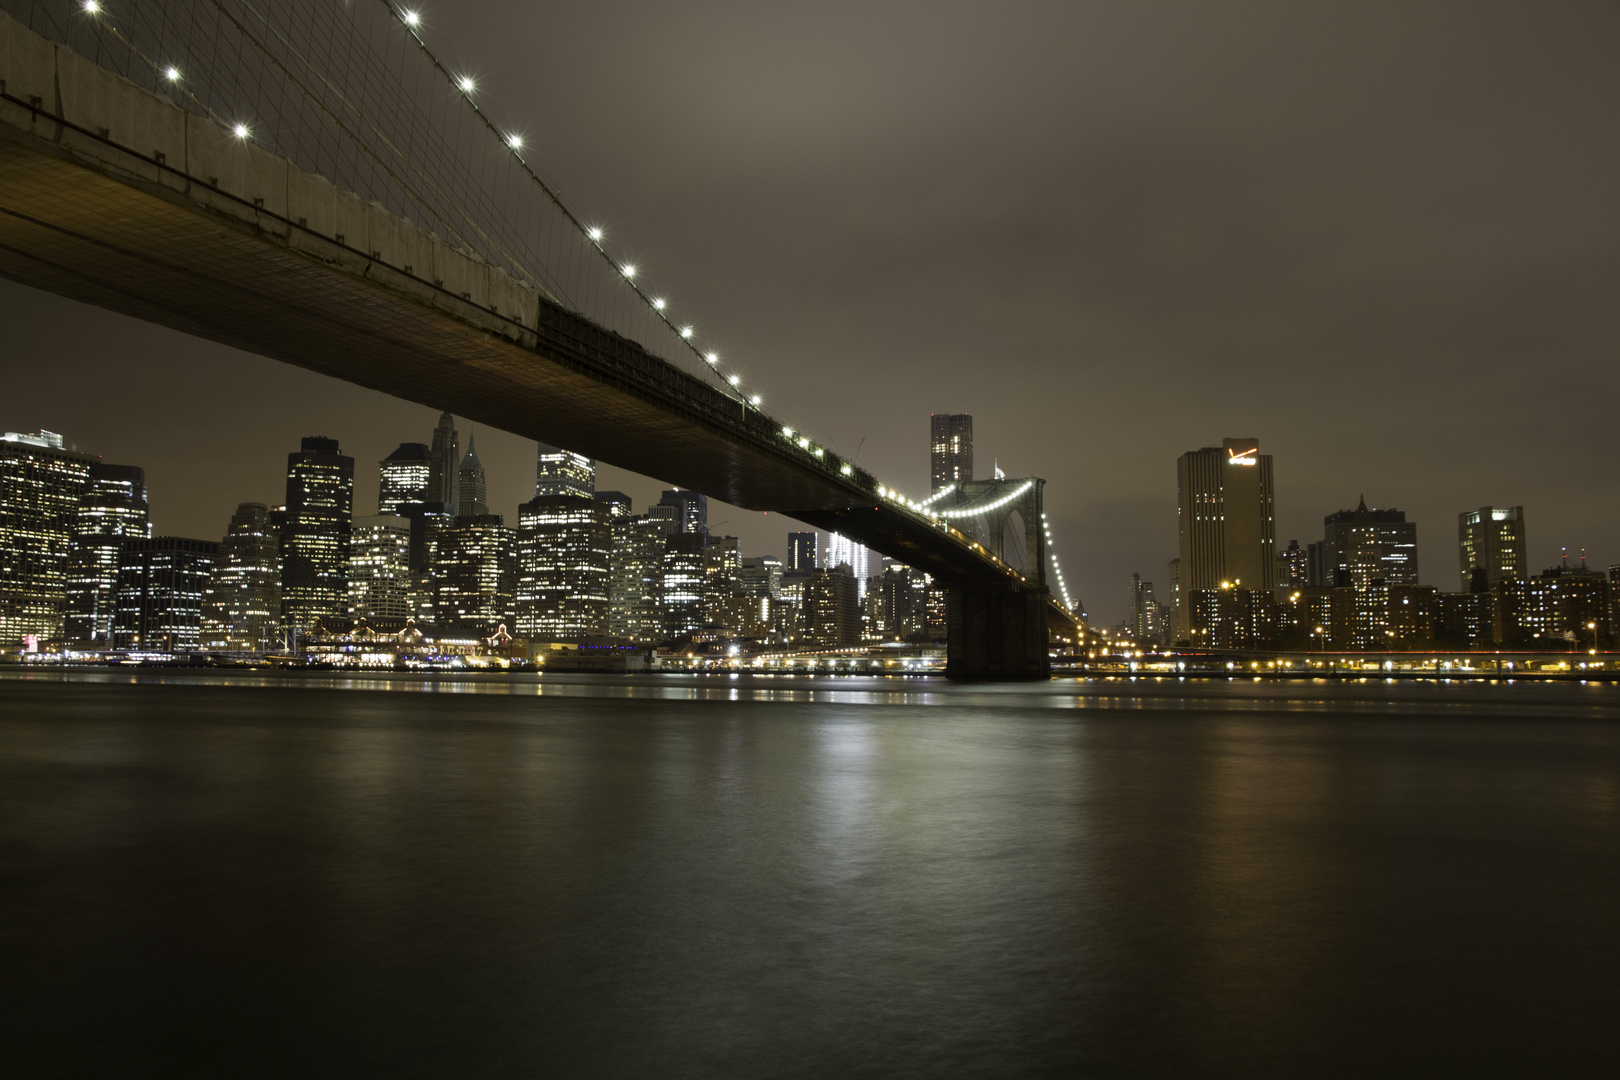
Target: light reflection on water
[261, 875]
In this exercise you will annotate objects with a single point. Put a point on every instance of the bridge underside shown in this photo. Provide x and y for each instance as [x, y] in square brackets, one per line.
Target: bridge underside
[89, 212]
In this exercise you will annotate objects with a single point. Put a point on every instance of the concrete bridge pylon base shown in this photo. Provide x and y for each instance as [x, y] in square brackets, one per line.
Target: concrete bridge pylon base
[996, 632]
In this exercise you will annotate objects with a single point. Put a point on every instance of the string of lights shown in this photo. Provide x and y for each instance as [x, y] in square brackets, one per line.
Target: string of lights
[984, 508]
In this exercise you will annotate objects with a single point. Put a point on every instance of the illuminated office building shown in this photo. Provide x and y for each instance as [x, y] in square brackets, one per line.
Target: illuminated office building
[801, 551]
[563, 558]
[1293, 567]
[403, 477]
[616, 504]
[41, 483]
[472, 493]
[163, 583]
[682, 574]
[1492, 539]
[475, 574]
[242, 612]
[315, 528]
[380, 567]
[1362, 546]
[950, 449]
[111, 510]
[635, 581]
[563, 473]
[444, 459]
[1225, 517]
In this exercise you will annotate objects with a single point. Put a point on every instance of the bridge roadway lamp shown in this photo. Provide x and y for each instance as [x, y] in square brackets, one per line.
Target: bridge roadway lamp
[467, 85]
[171, 73]
[413, 19]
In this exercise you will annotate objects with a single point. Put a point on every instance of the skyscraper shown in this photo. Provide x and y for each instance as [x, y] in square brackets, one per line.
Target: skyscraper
[682, 574]
[691, 510]
[380, 567]
[471, 491]
[112, 508]
[950, 449]
[635, 584]
[1225, 517]
[444, 459]
[1142, 619]
[1492, 539]
[564, 547]
[801, 551]
[404, 477]
[563, 472]
[315, 530]
[242, 612]
[40, 486]
[475, 573]
[162, 585]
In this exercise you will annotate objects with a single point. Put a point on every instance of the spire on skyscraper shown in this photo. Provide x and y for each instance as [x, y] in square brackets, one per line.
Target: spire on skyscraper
[470, 480]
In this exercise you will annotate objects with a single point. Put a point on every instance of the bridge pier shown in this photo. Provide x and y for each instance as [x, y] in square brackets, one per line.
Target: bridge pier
[996, 632]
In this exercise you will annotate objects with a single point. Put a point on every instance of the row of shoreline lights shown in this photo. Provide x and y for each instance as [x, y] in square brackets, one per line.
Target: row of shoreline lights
[514, 142]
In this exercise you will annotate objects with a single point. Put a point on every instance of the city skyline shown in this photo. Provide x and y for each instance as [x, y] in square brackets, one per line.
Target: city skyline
[1231, 247]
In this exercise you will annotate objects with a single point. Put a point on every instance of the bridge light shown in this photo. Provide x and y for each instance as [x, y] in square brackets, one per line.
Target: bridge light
[412, 19]
[241, 131]
[754, 401]
[466, 84]
[847, 469]
[515, 141]
[686, 331]
[734, 380]
[91, 7]
[172, 74]
[712, 358]
[594, 234]
[628, 270]
[787, 433]
[658, 305]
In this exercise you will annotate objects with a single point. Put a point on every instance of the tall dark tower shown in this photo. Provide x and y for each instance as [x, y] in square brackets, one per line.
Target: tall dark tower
[801, 551]
[950, 449]
[445, 460]
[470, 484]
[315, 527]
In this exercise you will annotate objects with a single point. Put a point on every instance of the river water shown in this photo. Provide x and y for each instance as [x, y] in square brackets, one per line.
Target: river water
[751, 877]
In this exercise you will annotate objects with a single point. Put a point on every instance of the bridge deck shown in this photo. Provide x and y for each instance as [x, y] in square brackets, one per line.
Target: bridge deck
[112, 195]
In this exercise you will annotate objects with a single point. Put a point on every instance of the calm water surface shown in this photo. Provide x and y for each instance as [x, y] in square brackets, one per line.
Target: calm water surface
[754, 877]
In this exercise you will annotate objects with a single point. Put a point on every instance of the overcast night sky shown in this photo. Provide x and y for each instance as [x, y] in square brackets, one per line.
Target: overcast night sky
[1382, 239]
